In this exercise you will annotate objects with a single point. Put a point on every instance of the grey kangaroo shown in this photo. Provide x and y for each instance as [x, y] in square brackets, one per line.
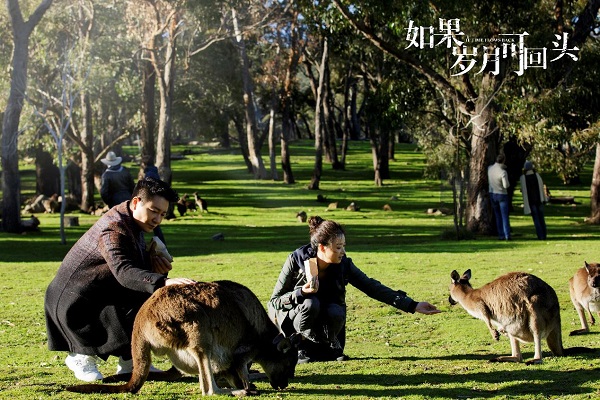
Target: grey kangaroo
[584, 287]
[521, 305]
[205, 329]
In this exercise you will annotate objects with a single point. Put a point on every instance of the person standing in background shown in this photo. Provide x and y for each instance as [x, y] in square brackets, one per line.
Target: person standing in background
[117, 183]
[534, 198]
[498, 185]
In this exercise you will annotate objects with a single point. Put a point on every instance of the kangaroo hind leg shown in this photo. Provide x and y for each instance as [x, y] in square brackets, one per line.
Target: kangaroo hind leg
[584, 325]
[515, 352]
[208, 385]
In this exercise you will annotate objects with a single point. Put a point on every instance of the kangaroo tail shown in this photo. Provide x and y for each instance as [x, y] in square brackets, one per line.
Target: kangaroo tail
[94, 388]
[142, 359]
[578, 350]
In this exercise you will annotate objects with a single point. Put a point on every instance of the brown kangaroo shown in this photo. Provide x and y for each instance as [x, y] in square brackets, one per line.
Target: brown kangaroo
[207, 328]
[518, 304]
[584, 287]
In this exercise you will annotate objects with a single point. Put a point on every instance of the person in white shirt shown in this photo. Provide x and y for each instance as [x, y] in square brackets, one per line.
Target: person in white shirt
[498, 185]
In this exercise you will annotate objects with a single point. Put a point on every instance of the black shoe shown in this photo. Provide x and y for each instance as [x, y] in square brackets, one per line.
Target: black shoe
[303, 357]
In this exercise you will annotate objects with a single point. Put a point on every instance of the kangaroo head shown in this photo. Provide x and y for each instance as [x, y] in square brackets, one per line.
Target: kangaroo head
[458, 285]
[593, 270]
[280, 363]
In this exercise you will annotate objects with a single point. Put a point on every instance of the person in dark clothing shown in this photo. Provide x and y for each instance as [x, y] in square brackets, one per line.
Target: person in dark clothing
[534, 198]
[106, 276]
[117, 183]
[309, 296]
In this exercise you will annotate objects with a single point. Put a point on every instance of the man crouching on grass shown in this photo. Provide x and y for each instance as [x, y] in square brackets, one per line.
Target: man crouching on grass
[104, 279]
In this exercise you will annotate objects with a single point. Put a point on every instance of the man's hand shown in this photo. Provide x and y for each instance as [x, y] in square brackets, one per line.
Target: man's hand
[425, 308]
[160, 264]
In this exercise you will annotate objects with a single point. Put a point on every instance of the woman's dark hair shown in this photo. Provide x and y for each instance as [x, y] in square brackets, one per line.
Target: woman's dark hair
[323, 231]
[147, 188]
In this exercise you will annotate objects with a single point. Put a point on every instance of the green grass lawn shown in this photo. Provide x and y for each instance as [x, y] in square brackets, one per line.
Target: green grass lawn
[393, 355]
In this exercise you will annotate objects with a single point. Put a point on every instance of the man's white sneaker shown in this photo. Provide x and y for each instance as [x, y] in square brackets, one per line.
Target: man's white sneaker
[126, 367]
[84, 367]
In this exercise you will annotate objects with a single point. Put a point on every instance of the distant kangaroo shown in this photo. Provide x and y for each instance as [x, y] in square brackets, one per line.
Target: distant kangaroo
[584, 287]
[519, 304]
[201, 203]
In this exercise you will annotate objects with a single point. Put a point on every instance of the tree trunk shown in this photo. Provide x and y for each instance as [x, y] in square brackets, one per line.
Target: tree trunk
[222, 130]
[376, 155]
[595, 190]
[384, 154]
[286, 130]
[258, 167]
[379, 149]
[329, 118]
[87, 154]
[148, 115]
[318, 168]
[11, 182]
[167, 89]
[484, 148]
[272, 145]
[243, 144]
[354, 113]
[287, 112]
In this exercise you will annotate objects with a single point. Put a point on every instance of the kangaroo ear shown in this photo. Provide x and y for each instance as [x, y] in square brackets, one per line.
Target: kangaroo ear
[284, 345]
[467, 274]
[454, 276]
[278, 338]
[295, 339]
[586, 265]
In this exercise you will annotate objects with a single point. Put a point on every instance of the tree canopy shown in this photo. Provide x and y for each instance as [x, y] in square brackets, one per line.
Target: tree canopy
[460, 78]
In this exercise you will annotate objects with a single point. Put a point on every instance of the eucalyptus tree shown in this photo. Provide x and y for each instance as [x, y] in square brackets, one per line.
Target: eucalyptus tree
[281, 46]
[102, 117]
[250, 111]
[158, 25]
[11, 183]
[430, 38]
[207, 94]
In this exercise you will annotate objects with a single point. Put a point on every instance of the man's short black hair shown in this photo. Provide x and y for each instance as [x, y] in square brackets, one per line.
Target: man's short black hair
[147, 188]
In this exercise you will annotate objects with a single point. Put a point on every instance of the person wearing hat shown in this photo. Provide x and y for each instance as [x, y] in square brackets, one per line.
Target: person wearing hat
[117, 183]
[534, 198]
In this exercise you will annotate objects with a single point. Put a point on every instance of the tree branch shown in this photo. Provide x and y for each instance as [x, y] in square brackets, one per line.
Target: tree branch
[389, 48]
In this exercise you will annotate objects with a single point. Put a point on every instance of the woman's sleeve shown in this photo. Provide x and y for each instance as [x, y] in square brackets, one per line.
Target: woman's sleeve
[378, 291]
[284, 296]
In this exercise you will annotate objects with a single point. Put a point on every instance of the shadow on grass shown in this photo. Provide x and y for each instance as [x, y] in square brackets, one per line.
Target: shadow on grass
[525, 382]
[185, 240]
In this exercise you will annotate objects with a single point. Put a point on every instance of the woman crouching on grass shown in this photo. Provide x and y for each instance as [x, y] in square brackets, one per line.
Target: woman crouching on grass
[309, 296]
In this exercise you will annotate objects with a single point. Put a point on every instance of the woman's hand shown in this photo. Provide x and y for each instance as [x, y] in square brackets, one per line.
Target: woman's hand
[308, 289]
[160, 264]
[424, 307]
[179, 281]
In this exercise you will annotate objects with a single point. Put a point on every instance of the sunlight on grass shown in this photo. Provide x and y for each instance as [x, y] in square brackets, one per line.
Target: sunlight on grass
[393, 354]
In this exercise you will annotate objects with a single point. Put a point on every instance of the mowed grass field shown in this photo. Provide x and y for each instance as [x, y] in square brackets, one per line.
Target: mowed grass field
[392, 354]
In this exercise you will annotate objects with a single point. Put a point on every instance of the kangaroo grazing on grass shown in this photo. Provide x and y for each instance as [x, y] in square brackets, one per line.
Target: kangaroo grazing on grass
[518, 304]
[584, 287]
[207, 328]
